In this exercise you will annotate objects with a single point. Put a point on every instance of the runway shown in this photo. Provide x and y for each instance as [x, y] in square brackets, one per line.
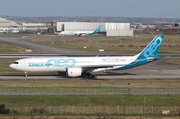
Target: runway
[156, 70]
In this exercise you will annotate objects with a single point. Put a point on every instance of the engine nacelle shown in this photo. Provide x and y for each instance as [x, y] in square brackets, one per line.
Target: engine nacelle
[74, 71]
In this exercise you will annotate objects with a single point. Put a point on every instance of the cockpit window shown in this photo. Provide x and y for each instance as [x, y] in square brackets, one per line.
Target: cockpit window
[15, 62]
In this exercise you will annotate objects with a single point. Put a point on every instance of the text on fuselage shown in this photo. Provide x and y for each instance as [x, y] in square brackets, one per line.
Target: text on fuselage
[55, 63]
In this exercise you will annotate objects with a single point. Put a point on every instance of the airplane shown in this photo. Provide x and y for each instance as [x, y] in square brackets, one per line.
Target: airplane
[81, 33]
[86, 66]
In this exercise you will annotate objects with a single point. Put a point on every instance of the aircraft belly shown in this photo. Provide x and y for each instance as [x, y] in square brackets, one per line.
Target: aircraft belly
[42, 69]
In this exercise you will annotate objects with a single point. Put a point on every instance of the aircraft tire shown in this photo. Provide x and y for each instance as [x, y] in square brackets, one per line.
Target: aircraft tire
[89, 76]
[94, 76]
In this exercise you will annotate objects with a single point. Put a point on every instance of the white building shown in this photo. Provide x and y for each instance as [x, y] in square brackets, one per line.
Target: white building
[7, 26]
[109, 29]
[33, 27]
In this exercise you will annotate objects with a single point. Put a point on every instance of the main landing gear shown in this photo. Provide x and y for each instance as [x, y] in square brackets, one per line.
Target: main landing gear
[89, 75]
[25, 73]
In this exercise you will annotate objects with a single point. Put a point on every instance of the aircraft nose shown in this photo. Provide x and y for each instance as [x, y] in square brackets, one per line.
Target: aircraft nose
[11, 65]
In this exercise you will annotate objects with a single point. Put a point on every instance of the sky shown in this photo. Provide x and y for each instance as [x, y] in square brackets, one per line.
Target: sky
[113, 8]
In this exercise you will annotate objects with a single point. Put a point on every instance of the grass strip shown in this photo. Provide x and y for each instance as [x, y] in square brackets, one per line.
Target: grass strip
[89, 100]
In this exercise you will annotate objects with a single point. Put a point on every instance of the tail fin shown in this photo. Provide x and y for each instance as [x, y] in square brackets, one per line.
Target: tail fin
[152, 48]
[97, 29]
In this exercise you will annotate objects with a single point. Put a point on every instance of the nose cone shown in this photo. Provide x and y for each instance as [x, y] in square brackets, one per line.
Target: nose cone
[16, 65]
[12, 66]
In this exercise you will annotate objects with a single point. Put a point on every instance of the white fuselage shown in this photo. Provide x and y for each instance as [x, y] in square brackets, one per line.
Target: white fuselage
[75, 32]
[61, 63]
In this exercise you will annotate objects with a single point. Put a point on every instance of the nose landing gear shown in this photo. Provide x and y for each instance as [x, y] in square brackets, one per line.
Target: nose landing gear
[25, 73]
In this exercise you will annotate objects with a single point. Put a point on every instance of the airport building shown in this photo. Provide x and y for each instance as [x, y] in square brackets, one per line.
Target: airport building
[33, 27]
[7, 26]
[108, 29]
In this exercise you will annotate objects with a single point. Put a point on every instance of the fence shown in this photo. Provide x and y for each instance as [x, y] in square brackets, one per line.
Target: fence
[88, 91]
[96, 109]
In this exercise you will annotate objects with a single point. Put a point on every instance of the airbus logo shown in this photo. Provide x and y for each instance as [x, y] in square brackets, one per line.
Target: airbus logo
[39, 65]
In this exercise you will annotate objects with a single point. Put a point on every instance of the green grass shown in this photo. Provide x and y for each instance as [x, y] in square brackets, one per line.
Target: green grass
[84, 91]
[89, 100]
[7, 48]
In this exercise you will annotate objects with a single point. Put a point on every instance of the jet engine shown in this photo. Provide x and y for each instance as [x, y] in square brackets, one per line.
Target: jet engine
[73, 71]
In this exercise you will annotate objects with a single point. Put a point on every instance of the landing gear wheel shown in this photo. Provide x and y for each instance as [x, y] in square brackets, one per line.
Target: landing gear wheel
[94, 76]
[83, 74]
[90, 76]
[25, 73]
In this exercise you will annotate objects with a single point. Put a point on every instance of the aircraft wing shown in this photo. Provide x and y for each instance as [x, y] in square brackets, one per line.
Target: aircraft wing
[91, 67]
[81, 34]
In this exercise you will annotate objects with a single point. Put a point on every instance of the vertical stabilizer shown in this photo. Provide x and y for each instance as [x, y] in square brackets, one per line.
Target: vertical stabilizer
[152, 48]
[97, 30]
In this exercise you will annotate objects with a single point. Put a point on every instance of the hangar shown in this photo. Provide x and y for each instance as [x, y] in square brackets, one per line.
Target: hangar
[108, 29]
[7, 26]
